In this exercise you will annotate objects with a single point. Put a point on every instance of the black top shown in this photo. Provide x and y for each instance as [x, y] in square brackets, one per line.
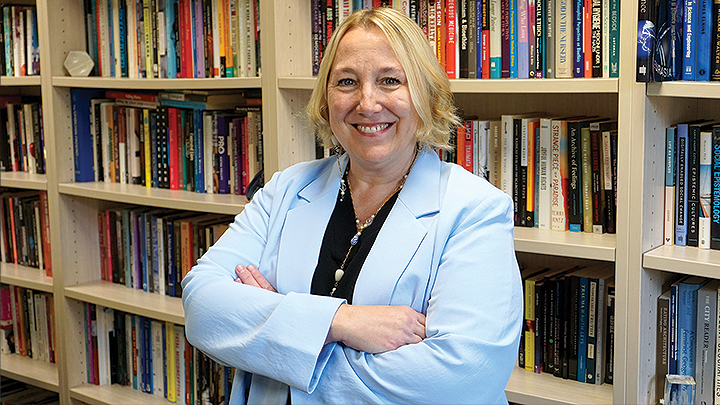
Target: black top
[336, 242]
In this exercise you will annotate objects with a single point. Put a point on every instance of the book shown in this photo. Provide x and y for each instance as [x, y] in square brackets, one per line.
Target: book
[704, 39]
[544, 168]
[715, 200]
[645, 40]
[689, 39]
[687, 324]
[575, 195]
[693, 181]
[560, 175]
[705, 341]
[670, 166]
[83, 141]
[705, 188]
[681, 179]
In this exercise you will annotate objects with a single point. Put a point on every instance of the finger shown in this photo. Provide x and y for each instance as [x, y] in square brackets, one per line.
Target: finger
[245, 276]
[260, 279]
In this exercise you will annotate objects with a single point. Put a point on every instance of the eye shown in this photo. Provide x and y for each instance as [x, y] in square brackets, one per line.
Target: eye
[391, 81]
[345, 82]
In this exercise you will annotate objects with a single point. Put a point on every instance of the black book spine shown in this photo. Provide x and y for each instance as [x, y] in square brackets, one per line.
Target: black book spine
[565, 327]
[463, 24]
[645, 41]
[693, 186]
[575, 205]
[610, 340]
[573, 325]
[611, 197]
[517, 152]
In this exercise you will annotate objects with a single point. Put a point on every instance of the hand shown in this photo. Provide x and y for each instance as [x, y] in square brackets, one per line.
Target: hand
[378, 328]
[250, 275]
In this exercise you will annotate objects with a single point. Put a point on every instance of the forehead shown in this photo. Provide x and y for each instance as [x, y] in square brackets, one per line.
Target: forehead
[365, 47]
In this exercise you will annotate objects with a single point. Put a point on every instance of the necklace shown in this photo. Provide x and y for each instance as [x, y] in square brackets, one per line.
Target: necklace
[361, 226]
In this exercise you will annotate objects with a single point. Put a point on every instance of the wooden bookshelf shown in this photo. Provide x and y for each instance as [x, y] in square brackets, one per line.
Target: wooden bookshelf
[34, 372]
[23, 180]
[26, 277]
[526, 387]
[114, 394]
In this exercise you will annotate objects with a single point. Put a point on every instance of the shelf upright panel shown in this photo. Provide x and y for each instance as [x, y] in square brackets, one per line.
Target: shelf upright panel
[40, 374]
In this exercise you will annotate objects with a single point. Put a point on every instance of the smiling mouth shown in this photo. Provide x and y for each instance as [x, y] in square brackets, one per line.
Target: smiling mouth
[373, 128]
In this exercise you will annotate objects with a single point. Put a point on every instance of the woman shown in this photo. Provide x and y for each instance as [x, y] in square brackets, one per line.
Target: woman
[435, 314]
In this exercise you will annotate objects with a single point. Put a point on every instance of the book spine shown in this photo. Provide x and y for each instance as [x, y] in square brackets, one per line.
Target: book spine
[681, 180]
[591, 331]
[533, 132]
[513, 38]
[705, 189]
[523, 45]
[582, 329]
[689, 39]
[563, 39]
[670, 165]
[596, 44]
[715, 199]
[597, 186]
[559, 170]
[575, 213]
[463, 27]
[609, 206]
[540, 38]
[687, 322]
[663, 340]
[586, 165]
[543, 212]
[577, 35]
[494, 37]
[715, 42]
[517, 171]
[693, 185]
[704, 39]
[705, 343]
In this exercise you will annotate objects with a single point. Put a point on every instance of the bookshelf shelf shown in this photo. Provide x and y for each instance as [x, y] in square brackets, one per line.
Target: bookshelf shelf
[34, 372]
[527, 387]
[26, 277]
[155, 197]
[8, 81]
[114, 394]
[567, 244]
[495, 86]
[685, 260]
[157, 84]
[159, 307]
[686, 89]
[23, 180]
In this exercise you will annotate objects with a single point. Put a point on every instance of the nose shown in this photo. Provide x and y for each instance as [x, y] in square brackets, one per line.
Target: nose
[369, 99]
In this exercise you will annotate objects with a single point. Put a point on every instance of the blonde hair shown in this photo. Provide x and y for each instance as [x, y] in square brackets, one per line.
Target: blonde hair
[427, 81]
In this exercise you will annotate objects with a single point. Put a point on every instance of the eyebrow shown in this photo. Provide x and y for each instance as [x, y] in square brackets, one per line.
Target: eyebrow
[384, 70]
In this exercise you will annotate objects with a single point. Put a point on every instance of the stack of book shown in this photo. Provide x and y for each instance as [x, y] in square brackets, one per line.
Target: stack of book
[150, 356]
[174, 38]
[25, 229]
[27, 321]
[561, 171]
[692, 185]
[22, 139]
[20, 52]
[569, 322]
[493, 39]
[207, 142]
[153, 249]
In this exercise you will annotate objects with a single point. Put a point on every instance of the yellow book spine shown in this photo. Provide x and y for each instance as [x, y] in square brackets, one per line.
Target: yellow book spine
[170, 361]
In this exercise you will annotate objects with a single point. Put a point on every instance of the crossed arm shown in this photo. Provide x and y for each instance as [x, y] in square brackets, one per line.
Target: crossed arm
[366, 328]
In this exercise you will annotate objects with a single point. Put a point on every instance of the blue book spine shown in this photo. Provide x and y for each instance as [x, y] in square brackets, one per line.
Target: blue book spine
[122, 12]
[676, 12]
[34, 59]
[578, 57]
[111, 38]
[223, 122]
[681, 182]
[170, 254]
[155, 259]
[715, 187]
[8, 32]
[144, 252]
[198, 39]
[170, 43]
[513, 27]
[704, 39]
[82, 138]
[134, 326]
[147, 347]
[582, 330]
[687, 325]
[689, 39]
[199, 155]
[670, 157]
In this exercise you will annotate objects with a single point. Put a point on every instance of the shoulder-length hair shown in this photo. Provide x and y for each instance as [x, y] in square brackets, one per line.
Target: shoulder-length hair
[428, 83]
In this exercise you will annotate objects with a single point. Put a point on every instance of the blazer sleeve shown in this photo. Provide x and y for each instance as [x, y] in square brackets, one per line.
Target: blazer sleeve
[473, 324]
[246, 327]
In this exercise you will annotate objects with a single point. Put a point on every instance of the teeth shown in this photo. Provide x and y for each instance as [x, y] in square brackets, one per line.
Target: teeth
[372, 129]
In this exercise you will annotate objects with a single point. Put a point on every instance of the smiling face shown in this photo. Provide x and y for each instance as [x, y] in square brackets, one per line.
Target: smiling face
[370, 109]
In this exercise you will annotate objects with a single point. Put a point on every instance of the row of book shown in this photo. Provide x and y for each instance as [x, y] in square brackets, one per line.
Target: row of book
[20, 52]
[18, 393]
[27, 321]
[194, 141]
[22, 138]
[25, 229]
[151, 356]
[692, 185]
[569, 322]
[687, 335]
[173, 38]
[153, 249]
[493, 39]
[678, 40]
[561, 172]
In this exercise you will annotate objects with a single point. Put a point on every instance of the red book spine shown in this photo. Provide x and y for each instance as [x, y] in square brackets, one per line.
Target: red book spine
[587, 35]
[172, 149]
[469, 157]
[451, 44]
[186, 66]
[13, 233]
[101, 242]
[460, 145]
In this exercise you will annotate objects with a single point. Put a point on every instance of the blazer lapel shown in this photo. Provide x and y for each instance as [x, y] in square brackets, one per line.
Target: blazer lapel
[402, 233]
[304, 229]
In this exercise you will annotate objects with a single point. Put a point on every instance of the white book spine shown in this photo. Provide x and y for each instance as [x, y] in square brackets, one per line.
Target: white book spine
[242, 67]
[132, 38]
[38, 237]
[104, 56]
[105, 135]
[34, 345]
[29, 138]
[179, 337]
[19, 41]
[216, 38]
[116, 37]
[157, 358]
[605, 38]
[506, 155]
[558, 204]
[563, 39]
[103, 345]
[250, 32]
[705, 189]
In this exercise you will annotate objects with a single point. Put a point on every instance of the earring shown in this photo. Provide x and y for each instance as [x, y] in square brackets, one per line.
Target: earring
[343, 185]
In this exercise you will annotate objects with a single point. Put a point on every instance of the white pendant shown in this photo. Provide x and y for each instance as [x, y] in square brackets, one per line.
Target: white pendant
[339, 273]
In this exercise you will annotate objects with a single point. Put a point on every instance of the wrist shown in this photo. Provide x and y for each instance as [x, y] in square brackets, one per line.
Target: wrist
[335, 334]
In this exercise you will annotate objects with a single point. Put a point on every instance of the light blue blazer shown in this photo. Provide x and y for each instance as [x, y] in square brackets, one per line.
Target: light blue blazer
[446, 250]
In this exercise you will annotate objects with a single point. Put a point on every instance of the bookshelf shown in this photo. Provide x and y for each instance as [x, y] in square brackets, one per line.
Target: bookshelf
[641, 263]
